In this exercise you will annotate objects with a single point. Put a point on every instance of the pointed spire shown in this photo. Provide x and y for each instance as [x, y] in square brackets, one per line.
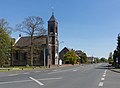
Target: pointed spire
[52, 18]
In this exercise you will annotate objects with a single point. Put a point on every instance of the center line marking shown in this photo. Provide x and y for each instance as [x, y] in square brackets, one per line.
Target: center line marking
[36, 81]
[105, 71]
[102, 78]
[12, 74]
[37, 71]
[104, 75]
[61, 71]
[100, 84]
[75, 70]
[26, 73]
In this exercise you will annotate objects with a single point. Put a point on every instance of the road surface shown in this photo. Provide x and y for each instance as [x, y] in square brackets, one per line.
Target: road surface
[83, 76]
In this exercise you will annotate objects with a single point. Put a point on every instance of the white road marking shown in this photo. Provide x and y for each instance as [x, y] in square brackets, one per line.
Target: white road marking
[15, 81]
[37, 71]
[100, 84]
[36, 81]
[61, 71]
[75, 70]
[104, 75]
[26, 73]
[105, 71]
[12, 74]
[50, 78]
[102, 78]
[21, 81]
[55, 70]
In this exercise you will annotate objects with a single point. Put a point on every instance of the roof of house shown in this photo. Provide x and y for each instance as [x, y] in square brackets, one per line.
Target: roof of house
[64, 50]
[26, 41]
[79, 52]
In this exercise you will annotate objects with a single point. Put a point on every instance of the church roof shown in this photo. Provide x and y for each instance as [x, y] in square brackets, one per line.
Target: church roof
[26, 41]
[52, 18]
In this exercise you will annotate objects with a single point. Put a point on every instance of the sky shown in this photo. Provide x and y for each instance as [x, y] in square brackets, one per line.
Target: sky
[88, 25]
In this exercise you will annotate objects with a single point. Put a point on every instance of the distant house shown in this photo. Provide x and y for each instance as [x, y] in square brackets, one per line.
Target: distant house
[21, 54]
[91, 59]
[62, 53]
[79, 53]
[65, 50]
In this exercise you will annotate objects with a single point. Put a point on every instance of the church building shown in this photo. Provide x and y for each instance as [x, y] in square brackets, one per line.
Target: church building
[45, 47]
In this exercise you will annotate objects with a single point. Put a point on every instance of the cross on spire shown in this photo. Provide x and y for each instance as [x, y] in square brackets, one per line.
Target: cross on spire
[52, 11]
[52, 18]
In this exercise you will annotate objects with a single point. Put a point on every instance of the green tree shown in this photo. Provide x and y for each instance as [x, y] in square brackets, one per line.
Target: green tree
[116, 54]
[97, 60]
[103, 59]
[32, 25]
[4, 47]
[110, 58]
[5, 31]
[71, 57]
[84, 58]
[4, 25]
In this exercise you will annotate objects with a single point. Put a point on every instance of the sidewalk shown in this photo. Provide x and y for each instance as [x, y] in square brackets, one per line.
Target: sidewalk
[63, 65]
[37, 68]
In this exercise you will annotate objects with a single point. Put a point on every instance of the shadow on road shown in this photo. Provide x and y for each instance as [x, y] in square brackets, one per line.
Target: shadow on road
[109, 67]
[105, 67]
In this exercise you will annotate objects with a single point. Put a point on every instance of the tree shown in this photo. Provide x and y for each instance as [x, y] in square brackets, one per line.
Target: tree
[110, 58]
[103, 59]
[71, 57]
[97, 60]
[4, 25]
[116, 55]
[84, 58]
[5, 31]
[32, 25]
[4, 47]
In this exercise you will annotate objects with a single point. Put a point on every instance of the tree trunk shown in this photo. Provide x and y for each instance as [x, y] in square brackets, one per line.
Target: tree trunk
[31, 52]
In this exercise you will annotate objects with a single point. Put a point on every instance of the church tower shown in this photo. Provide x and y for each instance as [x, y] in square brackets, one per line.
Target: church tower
[53, 40]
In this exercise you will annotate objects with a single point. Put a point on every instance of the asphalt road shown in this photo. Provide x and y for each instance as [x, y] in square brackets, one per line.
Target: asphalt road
[83, 76]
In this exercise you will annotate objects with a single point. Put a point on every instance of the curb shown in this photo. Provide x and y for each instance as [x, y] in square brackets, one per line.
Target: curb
[114, 70]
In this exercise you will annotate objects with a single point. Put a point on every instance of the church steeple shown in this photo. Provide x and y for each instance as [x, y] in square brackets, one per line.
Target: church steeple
[52, 18]
[53, 39]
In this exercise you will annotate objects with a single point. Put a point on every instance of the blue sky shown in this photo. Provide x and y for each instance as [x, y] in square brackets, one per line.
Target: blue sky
[89, 25]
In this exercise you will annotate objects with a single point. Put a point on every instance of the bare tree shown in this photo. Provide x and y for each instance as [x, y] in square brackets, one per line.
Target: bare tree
[32, 25]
